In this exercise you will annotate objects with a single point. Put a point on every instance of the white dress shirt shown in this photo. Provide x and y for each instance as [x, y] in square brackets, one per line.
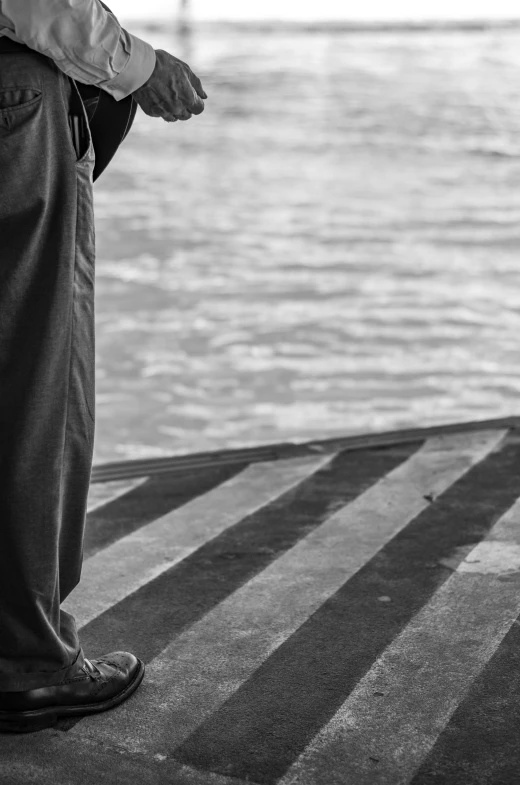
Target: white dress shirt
[85, 41]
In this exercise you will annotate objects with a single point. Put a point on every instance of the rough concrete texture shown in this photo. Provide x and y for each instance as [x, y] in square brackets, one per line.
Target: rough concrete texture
[303, 642]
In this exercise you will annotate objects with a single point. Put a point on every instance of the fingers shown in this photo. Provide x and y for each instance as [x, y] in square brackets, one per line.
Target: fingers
[186, 94]
[183, 114]
[197, 107]
[193, 93]
[196, 84]
[189, 97]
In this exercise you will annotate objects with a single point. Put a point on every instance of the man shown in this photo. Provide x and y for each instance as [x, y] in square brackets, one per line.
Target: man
[47, 252]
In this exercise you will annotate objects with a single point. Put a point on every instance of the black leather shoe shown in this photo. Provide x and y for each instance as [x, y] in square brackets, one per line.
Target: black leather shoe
[99, 685]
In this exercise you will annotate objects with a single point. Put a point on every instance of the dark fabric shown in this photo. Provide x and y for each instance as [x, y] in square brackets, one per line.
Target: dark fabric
[109, 120]
[47, 362]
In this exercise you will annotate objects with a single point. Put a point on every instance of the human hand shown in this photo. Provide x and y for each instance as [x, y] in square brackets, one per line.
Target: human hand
[173, 91]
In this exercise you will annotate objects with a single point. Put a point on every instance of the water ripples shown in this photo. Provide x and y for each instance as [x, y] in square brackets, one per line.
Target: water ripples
[331, 248]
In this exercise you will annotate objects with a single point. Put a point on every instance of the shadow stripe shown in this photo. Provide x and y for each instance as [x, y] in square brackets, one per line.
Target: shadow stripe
[480, 745]
[393, 717]
[47, 758]
[206, 663]
[151, 500]
[268, 722]
[147, 621]
[131, 562]
[102, 493]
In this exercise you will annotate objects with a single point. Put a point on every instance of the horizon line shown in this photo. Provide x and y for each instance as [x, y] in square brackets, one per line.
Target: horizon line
[347, 23]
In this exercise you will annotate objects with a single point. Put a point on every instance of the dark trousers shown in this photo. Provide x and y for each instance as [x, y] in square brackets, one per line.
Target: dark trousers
[47, 356]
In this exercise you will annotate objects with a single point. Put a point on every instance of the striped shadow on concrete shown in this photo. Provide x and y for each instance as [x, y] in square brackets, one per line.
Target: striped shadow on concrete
[480, 742]
[263, 727]
[148, 619]
[393, 717]
[206, 665]
[145, 500]
[133, 561]
[103, 493]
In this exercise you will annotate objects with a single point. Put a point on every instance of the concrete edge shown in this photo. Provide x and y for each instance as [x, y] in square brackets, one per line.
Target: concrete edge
[120, 470]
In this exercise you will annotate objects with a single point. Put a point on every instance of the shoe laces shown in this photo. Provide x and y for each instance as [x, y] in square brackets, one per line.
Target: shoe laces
[92, 665]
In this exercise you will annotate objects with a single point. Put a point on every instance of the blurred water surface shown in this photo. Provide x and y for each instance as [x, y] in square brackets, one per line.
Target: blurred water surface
[332, 247]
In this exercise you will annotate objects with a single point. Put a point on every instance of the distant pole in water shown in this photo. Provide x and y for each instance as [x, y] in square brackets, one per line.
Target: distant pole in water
[184, 25]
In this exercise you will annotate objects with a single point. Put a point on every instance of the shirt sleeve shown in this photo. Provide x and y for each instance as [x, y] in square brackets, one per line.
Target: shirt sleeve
[85, 40]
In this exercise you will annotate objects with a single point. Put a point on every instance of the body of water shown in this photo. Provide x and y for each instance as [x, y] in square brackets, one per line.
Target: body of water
[332, 247]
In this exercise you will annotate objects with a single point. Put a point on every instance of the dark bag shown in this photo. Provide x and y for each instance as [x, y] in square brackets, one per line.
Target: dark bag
[109, 122]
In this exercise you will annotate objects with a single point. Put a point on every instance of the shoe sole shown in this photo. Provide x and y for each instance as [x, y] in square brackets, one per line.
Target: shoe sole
[39, 719]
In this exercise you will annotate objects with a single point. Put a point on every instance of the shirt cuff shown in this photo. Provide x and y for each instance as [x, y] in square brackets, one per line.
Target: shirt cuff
[138, 69]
